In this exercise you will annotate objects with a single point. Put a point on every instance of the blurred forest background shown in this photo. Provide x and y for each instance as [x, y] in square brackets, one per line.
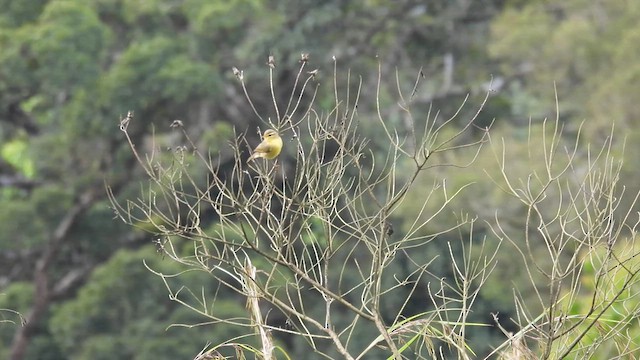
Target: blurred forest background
[73, 284]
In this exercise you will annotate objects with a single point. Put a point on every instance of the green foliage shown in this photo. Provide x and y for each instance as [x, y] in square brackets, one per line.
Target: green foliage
[221, 20]
[581, 47]
[124, 311]
[16, 13]
[23, 228]
[15, 153]
[67, 46]
[152, 72]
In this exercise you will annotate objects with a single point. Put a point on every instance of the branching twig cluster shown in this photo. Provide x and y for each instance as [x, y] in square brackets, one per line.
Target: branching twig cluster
[573, 212]
[287, 235]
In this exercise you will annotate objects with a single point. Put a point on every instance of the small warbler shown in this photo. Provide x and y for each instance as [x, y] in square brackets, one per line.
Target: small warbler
[270, 146]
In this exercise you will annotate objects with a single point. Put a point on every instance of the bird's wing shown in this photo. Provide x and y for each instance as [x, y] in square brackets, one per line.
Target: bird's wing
[263, 148]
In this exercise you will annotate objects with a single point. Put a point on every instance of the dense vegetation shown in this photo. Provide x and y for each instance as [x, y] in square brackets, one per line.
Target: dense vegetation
[498, 131]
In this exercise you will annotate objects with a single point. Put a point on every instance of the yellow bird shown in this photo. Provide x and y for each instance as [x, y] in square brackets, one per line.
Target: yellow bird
[270, 146]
